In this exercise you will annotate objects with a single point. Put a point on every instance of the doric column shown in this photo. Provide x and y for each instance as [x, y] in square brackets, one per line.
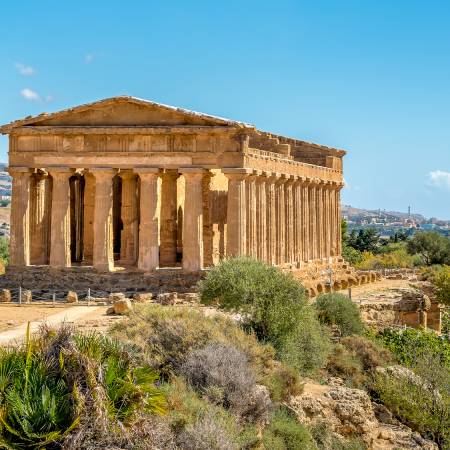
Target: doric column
[103, 256]
[261, 218]
[193, 219]
[271, 218]
[306, 218]
[298, 217]
[149, 209]
[338, 213]
[289, 218]
[40, 209]
[326, 221]
[250, 183]
[19, 244]
[319, 219]
[208, 226]
[169, 218]
[129, 215]
[333, 220]
[280, 207]
[88, 219]
[313, 221]
[60, 217]
[236, 212]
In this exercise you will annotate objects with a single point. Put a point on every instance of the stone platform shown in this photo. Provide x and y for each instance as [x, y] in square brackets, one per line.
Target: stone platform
[79, 279]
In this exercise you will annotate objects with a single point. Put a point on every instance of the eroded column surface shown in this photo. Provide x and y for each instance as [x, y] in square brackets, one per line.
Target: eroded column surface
[208, 227]
[88, 219]
[251, 215]
[103, 256]
[298, 231]
[261, 219]
[149, 219]
[306, 218]
[168, 235]
[40, 210]
[19, 244]
[60, 218]
[289, 218]
[338, 213]
[280, 250]
[193, 220]
[129, 215]
[313, 221]
[333, 219]
[327, 220]
[236, 212]
[271, 217]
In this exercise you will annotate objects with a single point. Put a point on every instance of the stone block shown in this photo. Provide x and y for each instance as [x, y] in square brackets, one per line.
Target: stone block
[5, 296]
[72, 297]
[167, 298]
[142, 297]
[192, 297]
[122, 306]
[116, 296]
[27, 296]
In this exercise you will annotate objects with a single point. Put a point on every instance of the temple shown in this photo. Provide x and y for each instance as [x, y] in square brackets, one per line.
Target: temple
[137, 185]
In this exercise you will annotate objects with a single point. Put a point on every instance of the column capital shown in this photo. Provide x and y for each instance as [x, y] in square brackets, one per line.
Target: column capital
[60, 172]
[147, 170]
[193, 172]
[126, 173]
[236, 173]
[103, 172]
[14, 171]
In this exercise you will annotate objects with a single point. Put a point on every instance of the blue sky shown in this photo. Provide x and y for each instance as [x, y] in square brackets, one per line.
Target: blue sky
[372, 77]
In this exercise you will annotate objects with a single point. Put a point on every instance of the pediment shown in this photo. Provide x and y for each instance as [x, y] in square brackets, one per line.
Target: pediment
[123, 111]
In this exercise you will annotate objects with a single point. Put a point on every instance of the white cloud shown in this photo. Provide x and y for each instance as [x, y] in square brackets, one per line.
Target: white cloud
[440, 178]
[89, 58]
[25, 70]
[29, 94]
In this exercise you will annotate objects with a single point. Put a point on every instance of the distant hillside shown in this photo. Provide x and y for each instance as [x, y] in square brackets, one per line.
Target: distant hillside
[350, 211]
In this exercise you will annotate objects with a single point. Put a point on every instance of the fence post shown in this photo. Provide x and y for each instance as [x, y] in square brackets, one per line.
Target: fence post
[54, 300]
[20, 295]
[350, 293]
[89, 296]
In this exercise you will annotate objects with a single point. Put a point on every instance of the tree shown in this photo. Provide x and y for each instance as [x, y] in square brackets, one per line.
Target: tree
[432, 246]
[364, 241]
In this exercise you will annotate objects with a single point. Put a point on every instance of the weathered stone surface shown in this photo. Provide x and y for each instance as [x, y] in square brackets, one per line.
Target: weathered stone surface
[72, 297]
[122, 306]
[5, 296]
[350, 412]
[27, 296]
[142, 297]
[167, 298]
[116, 296]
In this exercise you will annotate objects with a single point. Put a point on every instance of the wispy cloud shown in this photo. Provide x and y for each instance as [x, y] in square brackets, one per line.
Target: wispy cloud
[29, 94]
[89, 58]
[25, 70]
[440, 179]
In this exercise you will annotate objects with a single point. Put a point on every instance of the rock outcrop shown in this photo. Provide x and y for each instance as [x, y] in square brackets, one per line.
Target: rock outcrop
[350, 412]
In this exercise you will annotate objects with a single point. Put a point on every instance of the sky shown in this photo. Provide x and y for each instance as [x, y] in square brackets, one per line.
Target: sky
[371, 77]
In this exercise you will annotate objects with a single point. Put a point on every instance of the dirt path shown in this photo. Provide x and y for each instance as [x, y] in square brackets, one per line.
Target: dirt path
[37, 315]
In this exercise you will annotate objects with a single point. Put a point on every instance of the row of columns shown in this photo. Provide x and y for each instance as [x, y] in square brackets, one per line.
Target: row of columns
[282, 219]
[140, 235]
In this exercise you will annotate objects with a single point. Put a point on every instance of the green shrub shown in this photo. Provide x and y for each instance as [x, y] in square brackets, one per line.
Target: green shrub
[286, 433]
[338, 309]
[325, 439]
[351, 255]
[411, 345]
[4, 249]
[344, 364]
[283, 381]
[432, 246]
[267, 298]
[307, 347]
[420, 398]
[442, 285]
[63, 385]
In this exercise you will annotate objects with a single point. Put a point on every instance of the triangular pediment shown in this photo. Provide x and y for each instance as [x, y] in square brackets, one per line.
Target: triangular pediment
[123, 111]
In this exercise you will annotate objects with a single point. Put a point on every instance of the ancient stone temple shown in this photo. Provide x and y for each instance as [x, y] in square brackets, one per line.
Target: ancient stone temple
[130, 185]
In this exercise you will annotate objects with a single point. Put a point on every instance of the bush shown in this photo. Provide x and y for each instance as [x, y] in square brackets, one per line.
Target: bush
[432, 246]
[390, 259]
[283, 381]
[163, 336]
[344, 364]
[441, 282]
[411, 345]
[325, 439]
[267, 298]
[4, 249]
[286, 433]
[64, 385]
[224, 375]
[351, 255]
[420, 398]
[307, 347]
[338, 309]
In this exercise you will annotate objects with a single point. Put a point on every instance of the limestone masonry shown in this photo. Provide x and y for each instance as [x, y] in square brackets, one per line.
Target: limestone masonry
[130, 185]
